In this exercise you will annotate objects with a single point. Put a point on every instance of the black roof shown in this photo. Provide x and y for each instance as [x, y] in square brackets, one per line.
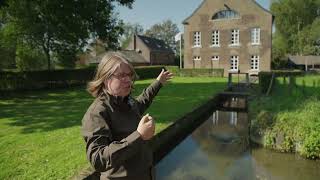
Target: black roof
[133, 56]
[155, 44]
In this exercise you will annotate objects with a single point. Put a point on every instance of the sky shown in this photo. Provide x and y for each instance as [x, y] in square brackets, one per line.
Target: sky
[150, 12]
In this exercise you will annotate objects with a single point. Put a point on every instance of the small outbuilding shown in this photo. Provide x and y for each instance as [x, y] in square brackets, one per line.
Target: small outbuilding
[305, 62]
[154, 51]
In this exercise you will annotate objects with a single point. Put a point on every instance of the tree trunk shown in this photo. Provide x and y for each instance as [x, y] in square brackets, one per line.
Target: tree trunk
[48, 59]
[46, 50]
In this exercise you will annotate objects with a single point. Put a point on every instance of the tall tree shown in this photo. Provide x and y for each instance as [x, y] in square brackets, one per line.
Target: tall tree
[292, 17]
[279, 49]
[129, 30]
[64, 27]
[308, 38]
[164, 31]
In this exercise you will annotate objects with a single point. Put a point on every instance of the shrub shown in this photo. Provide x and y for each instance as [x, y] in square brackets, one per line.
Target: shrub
[29, 59]
[269, 138]
[263, 120]
[296, 131]
[311, 146]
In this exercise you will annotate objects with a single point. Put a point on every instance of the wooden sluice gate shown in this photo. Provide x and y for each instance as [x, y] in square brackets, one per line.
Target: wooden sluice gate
[236, 95]
[238, 82]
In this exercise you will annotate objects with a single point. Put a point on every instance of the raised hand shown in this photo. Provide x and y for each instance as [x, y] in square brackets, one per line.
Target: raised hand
[164, 76]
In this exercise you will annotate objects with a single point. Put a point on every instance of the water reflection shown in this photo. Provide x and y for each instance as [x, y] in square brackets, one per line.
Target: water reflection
[219, 149]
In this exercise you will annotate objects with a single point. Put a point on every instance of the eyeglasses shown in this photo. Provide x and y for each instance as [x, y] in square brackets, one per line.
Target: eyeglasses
[123, 76]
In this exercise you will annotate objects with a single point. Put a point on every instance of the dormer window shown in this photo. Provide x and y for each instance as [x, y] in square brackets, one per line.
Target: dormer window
[226, 14]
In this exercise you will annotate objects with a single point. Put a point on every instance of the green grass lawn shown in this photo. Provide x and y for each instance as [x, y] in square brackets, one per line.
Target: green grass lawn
[289, 118]
[40, 131]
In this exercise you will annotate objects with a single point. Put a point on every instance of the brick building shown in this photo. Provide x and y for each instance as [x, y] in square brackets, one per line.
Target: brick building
[154, 51]
[141, 51]
[230, 35]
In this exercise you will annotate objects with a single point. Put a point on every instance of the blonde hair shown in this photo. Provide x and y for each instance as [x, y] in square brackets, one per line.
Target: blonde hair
[108, 65]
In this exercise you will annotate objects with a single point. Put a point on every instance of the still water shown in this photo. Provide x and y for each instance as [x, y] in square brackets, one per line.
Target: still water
[219, 149]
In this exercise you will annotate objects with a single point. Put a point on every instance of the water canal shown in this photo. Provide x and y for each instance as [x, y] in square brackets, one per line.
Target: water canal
[220, 149]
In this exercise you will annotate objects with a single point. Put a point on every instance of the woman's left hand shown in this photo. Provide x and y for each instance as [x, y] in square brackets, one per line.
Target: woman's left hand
[164, 76]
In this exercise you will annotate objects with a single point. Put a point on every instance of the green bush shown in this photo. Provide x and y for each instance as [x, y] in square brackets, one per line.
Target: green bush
[311, 146]
[296, 131]
[269, 139]
[263, 120]
[281, 135]
[148, 72]
[30, 59]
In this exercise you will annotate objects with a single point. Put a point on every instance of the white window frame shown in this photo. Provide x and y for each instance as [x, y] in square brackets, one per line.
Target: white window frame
[255, 36]
[234, 63]
[197, 58]
[215, 58]
[235, 37]
[215, 41]
[254, 63]
[196, 39]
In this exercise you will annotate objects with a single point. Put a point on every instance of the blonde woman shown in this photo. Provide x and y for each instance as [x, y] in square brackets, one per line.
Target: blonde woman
[114, 128]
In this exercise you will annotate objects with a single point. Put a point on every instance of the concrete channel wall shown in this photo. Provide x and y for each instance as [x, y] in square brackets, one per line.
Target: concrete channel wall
[167, 139]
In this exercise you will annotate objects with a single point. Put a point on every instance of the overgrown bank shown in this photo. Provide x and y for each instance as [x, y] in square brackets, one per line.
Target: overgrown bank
[288, 120]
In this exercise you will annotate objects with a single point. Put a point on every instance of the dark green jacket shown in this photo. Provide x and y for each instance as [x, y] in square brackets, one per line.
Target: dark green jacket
[113, 145]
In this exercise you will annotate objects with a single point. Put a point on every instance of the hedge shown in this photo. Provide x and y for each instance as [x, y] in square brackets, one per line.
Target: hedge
[196, 72]
[148, 72]
[66, 77]
[265, 77]
[60, 78]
